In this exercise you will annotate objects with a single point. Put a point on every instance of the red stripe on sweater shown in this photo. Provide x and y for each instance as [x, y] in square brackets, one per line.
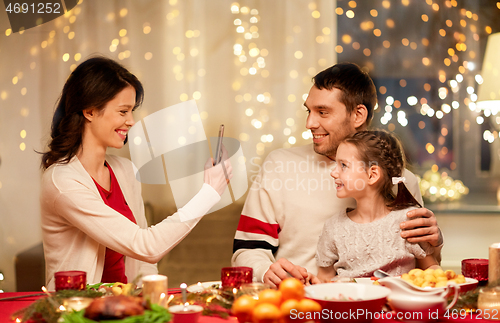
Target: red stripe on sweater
[251, 225]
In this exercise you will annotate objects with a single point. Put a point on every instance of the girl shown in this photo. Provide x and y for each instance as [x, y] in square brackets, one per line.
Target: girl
[359, 241]
[92, 210]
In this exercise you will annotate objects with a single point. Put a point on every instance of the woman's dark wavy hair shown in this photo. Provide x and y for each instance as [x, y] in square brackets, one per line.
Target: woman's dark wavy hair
[379, 147]
[92, 84]
[357, 86]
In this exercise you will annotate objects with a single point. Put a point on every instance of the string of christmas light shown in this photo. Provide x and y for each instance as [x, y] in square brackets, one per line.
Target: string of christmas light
[450, 25]
[2, 278]
[439, 186]
[461, 30]
[251, 62]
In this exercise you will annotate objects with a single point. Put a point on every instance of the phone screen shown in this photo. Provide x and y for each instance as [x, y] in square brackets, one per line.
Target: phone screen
[218, 152]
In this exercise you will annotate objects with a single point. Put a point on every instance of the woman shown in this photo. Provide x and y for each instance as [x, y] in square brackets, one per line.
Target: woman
[92, 210]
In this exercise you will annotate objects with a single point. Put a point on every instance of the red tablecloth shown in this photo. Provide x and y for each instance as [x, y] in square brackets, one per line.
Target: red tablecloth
[8, 307]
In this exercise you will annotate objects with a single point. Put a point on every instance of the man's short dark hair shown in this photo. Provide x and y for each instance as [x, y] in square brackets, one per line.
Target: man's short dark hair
[357, 87]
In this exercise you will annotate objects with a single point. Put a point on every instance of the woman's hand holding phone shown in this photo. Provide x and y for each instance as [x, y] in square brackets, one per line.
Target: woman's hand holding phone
[218, 176]
[218, 171]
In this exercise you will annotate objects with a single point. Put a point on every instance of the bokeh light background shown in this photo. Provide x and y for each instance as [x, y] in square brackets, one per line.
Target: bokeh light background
[248, 64]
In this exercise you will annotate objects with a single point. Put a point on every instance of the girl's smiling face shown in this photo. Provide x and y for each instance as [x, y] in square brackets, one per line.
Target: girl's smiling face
[350, 174]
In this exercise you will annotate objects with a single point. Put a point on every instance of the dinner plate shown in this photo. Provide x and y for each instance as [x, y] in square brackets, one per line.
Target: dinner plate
[199, 287]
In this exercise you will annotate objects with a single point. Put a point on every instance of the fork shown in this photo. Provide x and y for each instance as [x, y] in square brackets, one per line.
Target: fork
[380, 274]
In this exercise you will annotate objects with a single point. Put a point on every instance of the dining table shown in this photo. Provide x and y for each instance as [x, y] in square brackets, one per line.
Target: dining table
[11, 305]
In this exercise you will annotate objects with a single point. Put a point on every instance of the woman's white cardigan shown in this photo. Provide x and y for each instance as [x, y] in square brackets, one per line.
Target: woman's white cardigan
[77, 225]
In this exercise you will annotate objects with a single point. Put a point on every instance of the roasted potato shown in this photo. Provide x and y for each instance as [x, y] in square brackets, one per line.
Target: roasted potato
[432, 277]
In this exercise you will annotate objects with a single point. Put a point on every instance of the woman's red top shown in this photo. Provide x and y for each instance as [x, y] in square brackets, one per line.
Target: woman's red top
[114, 264]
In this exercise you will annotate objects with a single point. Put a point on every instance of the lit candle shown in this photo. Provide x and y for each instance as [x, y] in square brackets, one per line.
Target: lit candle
[184, 294]
[52, 301]
[170, 298]
[162, 299]
[235, 293]
[153, 286]
[494, 265]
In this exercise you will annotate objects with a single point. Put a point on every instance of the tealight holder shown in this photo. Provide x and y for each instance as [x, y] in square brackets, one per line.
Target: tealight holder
[155, 288]
[185, 313]
[71, 279]
[488, 302]
[234, 277]
[475, 268]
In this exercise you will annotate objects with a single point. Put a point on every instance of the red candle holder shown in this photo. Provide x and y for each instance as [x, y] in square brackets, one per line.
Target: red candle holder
[186, 314]
[475, 268]
[71, 279]
[234, 277]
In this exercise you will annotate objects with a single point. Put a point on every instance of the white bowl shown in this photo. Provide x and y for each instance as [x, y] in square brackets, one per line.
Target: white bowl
[362, 301]
[417, 309]
[400, 302]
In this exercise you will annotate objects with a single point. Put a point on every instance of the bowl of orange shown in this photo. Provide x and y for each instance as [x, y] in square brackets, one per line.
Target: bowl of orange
[348, 302]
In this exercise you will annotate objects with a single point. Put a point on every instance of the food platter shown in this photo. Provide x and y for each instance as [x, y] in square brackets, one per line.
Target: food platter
[470, 284]
[199, 287]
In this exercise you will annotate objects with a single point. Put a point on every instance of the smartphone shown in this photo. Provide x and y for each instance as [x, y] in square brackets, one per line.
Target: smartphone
[218, 152]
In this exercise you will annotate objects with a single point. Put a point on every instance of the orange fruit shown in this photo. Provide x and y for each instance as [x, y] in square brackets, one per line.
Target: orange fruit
[270, 296]
[266, 313]
[292, 288]
[243, 307]
[308, 307]
[289, 310]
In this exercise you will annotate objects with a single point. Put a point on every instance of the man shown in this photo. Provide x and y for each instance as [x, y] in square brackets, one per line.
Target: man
[293, 194]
